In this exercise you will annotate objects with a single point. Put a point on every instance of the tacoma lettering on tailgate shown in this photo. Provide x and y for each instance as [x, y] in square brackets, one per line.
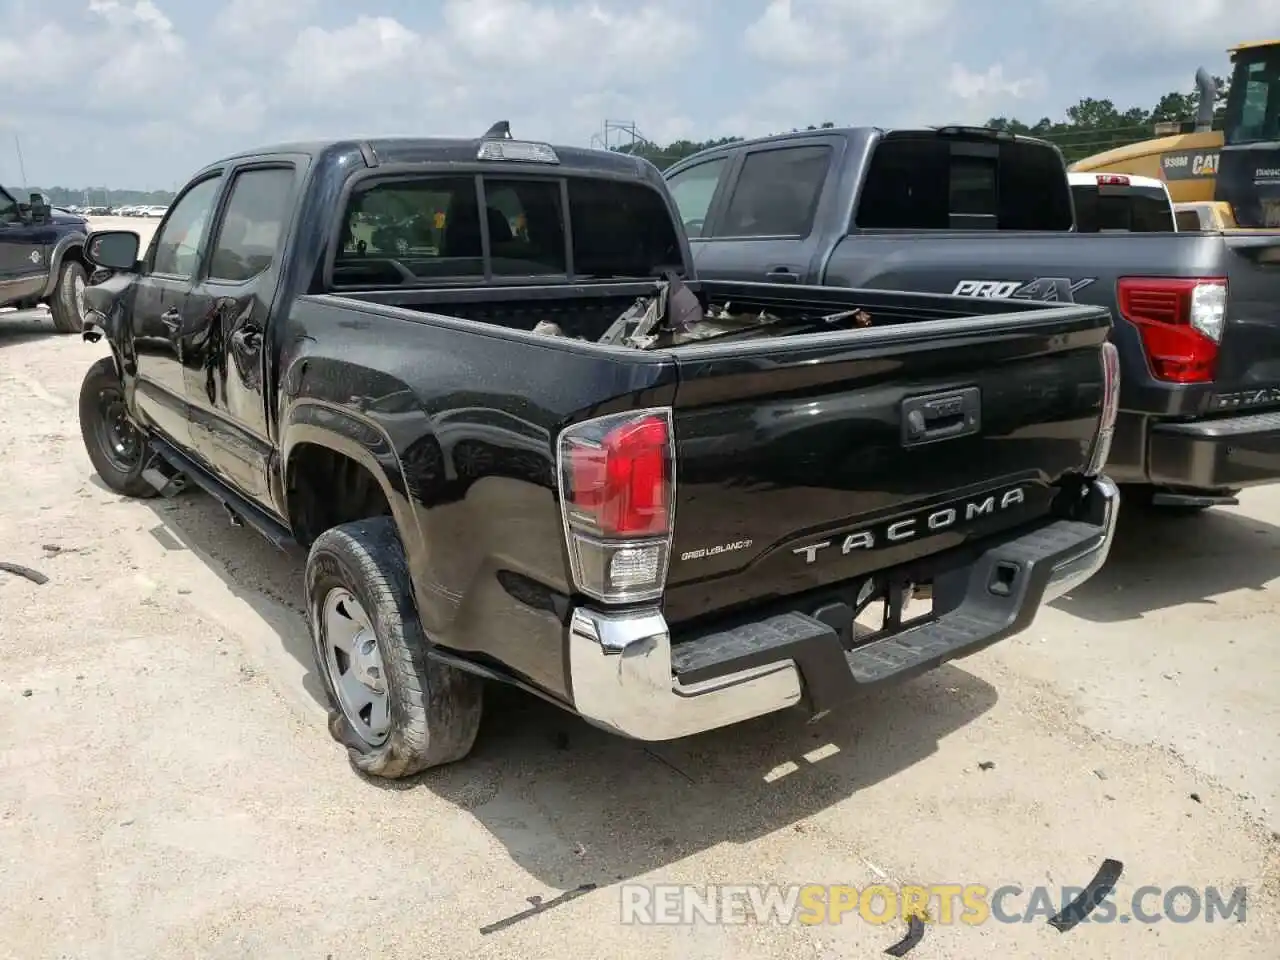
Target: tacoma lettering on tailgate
[894, 531]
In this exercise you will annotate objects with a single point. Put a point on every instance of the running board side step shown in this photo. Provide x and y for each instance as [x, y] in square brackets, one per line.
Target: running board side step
[240, 511]
[1160, 499]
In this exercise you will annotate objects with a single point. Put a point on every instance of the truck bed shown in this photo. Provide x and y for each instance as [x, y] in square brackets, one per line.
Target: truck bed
[586, 311]
[796, 438]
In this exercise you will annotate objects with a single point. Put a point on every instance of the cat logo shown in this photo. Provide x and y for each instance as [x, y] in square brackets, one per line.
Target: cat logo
[1050, 289]
[1189, 164]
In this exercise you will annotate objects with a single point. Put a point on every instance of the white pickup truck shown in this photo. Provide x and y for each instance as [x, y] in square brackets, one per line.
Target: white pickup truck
[1121, 203]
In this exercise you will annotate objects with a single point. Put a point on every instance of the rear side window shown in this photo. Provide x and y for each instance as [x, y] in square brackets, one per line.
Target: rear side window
[1129, 209]
[777, 193]
[252, 224]
[428, 229]
[925, 182]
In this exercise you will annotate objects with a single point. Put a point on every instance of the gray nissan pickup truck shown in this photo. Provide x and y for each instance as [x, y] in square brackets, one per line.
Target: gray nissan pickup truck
[980, 213]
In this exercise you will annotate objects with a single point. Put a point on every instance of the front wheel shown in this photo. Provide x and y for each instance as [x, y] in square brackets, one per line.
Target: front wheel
[67, 303]
[116, 447]
[397, 711]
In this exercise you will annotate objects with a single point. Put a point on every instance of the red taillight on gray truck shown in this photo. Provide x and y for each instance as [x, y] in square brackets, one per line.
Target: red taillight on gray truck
[1110, 408]
[617, 486]
[1180, 321]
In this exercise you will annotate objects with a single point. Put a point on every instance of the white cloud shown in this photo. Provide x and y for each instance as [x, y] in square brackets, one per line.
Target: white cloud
[146, 91]
[991, 84]
[780, 37]
[585, 40]
[1204, 24]
[886, 19]
[372, 49]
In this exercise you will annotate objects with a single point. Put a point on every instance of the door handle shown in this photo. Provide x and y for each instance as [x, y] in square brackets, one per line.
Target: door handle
[782, 275]
[247, 338]
[171, 318]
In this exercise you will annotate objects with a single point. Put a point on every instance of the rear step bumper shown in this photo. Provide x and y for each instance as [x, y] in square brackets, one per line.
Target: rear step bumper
[1228, 453]
[625, 677]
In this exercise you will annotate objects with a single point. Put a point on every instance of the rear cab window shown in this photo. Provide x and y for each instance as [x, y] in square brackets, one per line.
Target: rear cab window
[1116, 204]
[1188, 221]
[933, 180]
[432, 229]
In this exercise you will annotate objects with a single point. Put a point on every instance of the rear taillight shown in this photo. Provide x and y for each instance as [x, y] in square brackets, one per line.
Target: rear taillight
[1110, 408]
[1180, 321]
[617, 480]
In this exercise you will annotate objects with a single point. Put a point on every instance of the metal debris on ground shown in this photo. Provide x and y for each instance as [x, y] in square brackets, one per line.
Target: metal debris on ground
[537, 905]
[1103, 882]
[35, 576]
[915, 933]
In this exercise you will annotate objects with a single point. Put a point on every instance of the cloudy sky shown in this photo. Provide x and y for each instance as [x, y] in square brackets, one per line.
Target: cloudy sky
[138, 93]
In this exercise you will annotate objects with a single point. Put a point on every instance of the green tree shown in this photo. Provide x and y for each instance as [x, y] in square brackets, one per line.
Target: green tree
[1090, 126]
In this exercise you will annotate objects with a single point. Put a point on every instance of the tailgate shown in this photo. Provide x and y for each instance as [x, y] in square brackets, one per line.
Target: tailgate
[803, 462]
[1247, 374]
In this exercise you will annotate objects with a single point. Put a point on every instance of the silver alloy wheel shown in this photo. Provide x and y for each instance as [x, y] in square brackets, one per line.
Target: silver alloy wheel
[77, 290]
[354, 663]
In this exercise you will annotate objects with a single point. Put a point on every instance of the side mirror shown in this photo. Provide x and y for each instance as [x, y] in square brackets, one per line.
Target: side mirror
[113, 249]
[40, 212]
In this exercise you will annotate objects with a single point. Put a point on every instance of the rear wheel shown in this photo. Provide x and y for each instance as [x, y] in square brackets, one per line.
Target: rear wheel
[397, 711]
[67, 303]
[116, 446]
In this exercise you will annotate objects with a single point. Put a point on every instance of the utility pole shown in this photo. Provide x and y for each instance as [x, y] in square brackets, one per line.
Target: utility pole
[21, 167]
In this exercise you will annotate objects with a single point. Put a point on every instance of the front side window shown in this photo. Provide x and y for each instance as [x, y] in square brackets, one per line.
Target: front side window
[693, 191]
[1253, 103]
[252, 225]
[177, 246]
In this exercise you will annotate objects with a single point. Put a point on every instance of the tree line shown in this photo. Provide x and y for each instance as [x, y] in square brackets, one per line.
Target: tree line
[1089, 127]
[97, 197]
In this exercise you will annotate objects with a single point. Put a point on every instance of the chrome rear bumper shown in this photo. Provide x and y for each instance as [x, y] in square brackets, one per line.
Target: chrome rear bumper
[621, 665]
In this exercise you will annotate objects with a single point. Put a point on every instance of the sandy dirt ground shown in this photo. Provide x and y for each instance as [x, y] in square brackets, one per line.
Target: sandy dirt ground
[168, 788]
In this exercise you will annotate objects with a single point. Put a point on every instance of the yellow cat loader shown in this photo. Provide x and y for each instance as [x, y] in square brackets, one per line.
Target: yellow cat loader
[1237, 169]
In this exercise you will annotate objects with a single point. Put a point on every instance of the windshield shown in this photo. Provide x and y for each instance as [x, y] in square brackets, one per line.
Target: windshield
[463, 229]
[1130, 209]
[1253, 103]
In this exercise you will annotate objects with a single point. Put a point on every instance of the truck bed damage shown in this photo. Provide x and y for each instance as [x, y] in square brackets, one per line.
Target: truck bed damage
[675, 316]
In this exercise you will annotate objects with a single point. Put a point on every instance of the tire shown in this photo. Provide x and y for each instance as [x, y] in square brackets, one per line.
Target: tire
[427, 713]
[64, 305]
[118, 454]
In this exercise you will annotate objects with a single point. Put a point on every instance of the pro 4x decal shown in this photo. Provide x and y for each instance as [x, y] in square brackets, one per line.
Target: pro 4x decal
[1051, 289]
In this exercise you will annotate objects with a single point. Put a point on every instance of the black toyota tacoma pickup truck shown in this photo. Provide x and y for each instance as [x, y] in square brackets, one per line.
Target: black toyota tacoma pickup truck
[479, 383]
[980, 213]
[42, 259]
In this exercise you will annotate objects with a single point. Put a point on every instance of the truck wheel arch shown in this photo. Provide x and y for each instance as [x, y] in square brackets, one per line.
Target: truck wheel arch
[320, 440]
[69, 246]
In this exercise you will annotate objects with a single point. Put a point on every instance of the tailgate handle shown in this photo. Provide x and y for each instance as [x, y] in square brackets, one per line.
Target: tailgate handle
[941, 416]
